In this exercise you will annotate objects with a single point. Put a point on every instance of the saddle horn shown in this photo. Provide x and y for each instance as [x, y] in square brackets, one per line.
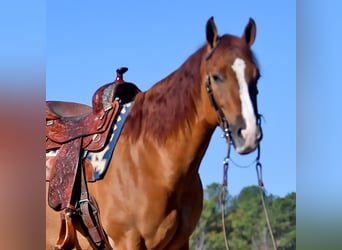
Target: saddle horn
[119, 75]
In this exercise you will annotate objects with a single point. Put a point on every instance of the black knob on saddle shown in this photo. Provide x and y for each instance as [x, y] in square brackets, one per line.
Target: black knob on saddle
[119, 75]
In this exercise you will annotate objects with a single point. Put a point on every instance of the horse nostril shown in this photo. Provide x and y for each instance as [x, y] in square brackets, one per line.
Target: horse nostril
[239, 132]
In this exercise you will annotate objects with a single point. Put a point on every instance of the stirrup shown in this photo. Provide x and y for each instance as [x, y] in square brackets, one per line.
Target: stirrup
[67, 232]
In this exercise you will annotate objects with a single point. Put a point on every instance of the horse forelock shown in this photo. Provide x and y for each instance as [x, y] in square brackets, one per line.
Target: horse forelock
[238, 45]
[170, 105]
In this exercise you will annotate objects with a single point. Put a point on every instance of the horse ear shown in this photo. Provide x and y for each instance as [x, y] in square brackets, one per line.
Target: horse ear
[211, 32]
[250, 32]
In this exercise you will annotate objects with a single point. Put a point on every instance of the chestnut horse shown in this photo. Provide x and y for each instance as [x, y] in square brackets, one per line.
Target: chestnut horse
[151, 196]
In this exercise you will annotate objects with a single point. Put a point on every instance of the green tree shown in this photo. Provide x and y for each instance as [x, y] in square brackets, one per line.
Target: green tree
[283, 211]
[245, 221]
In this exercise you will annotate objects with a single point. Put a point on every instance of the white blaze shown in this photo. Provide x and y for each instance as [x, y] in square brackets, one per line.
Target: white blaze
[250, 132]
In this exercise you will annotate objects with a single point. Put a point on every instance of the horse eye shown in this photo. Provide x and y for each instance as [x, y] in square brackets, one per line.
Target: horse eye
[217, 77]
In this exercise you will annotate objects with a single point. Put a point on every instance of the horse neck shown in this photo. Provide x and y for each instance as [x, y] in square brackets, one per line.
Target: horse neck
[176, 115]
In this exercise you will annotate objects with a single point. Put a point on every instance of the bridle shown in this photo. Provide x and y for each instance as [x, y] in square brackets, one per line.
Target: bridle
[224, 124]
[222, 118]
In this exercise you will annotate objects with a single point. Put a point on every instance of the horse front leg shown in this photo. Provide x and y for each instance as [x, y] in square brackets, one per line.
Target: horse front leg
[165, 232]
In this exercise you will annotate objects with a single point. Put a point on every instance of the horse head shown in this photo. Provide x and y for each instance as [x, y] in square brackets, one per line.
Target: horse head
[231, 80]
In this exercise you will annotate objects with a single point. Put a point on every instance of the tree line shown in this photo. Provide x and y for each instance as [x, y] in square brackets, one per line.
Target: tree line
[245, 221]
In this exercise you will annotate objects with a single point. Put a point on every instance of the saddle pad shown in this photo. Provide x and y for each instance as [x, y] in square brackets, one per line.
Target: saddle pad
[100, 160]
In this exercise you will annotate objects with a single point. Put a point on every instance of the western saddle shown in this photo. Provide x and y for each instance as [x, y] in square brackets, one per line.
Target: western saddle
[72, 129]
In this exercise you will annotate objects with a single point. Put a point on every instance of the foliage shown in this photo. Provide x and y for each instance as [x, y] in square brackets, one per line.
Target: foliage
[245, 221]
[284, 219]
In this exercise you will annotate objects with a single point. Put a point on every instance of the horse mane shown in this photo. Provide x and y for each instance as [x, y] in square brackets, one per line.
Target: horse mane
[172, 100]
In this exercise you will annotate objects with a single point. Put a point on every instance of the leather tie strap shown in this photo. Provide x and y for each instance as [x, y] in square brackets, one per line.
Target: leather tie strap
[90, 215]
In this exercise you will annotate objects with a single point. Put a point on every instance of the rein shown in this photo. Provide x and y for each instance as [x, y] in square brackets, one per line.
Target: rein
[223, 192]
[223, 189]
[258, 168]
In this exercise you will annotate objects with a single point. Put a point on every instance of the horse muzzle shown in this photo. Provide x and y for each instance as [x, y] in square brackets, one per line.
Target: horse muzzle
[246, 140]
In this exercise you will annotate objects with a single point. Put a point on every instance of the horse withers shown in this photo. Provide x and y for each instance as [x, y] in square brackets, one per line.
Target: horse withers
[151, 196]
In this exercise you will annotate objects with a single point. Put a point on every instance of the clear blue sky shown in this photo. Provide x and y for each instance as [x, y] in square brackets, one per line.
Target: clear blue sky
[80, 44]
[86, 41]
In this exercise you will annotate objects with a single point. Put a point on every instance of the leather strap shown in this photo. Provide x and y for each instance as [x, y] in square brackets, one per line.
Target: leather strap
[90, 214]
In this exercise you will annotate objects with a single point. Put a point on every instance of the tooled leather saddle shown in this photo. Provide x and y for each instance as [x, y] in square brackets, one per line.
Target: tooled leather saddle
[72, 130]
